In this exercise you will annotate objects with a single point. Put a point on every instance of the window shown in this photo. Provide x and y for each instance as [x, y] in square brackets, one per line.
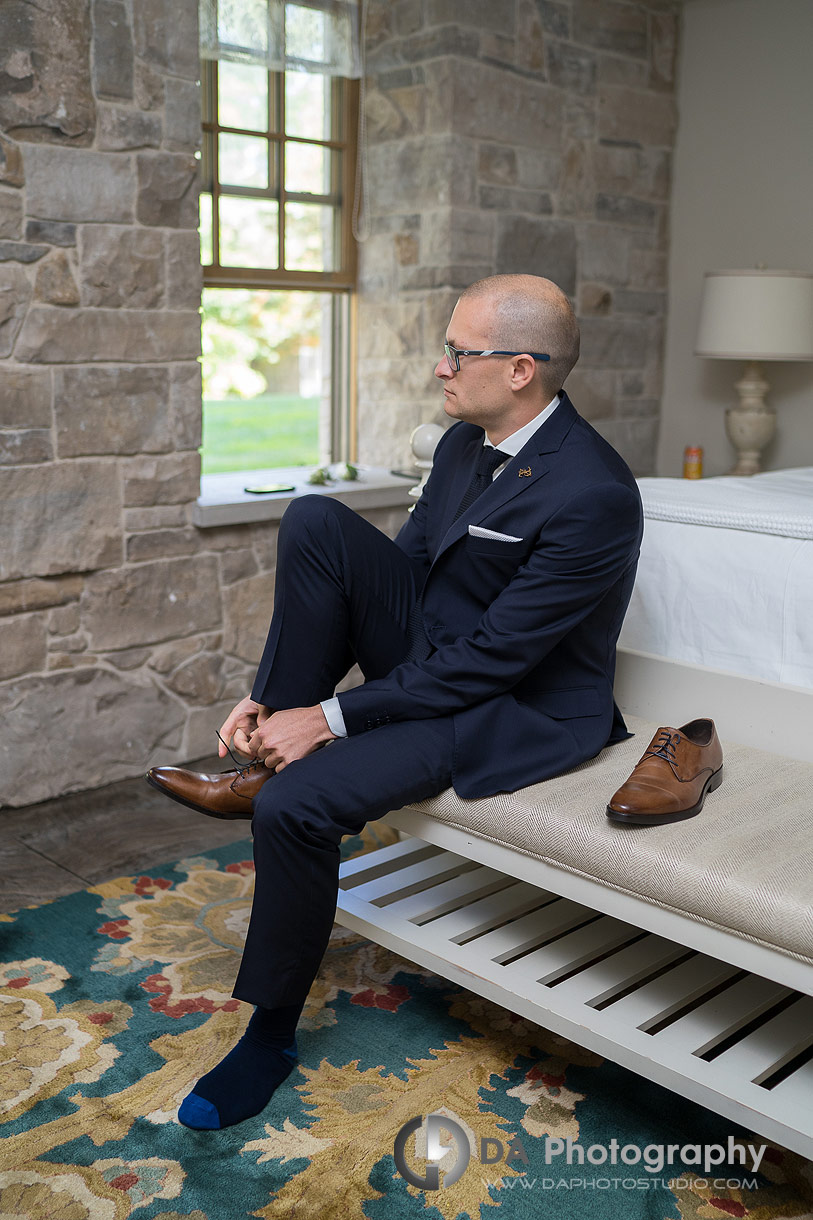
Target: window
[278, 170]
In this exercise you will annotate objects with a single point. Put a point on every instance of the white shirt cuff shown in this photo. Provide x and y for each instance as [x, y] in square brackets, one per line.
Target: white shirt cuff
[334, 717]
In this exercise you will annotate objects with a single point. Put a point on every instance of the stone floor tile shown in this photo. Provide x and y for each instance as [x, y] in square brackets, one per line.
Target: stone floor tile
[82, 839]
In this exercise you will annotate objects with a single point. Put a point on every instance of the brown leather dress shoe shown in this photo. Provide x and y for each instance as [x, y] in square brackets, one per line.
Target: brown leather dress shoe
[226, 795]
[671, 779]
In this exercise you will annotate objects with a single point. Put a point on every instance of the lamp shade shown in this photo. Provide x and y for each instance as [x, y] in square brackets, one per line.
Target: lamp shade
[756, 315]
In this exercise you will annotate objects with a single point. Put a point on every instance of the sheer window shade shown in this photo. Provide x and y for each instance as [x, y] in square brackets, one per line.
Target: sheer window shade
[317, 36]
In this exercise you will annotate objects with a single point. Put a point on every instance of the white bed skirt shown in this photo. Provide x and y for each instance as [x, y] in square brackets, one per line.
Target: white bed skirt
[727, 597]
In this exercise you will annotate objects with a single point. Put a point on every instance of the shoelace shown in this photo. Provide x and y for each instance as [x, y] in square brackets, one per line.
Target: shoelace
[241, 768]
[664, 747]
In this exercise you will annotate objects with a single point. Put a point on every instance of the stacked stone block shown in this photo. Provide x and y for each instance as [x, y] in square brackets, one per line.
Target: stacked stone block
[510, 136]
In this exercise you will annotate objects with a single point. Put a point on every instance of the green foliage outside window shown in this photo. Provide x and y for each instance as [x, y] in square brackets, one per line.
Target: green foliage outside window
[252, 339]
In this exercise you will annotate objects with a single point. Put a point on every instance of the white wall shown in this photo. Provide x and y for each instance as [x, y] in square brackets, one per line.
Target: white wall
[742, 194]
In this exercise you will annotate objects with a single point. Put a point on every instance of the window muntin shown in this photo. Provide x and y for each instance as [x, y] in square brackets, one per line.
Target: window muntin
[278, 168]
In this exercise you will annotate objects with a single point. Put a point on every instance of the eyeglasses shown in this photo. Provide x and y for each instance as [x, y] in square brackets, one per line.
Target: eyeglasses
[453, 355]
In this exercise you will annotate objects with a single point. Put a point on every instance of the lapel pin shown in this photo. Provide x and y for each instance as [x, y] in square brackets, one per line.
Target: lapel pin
[525, 472]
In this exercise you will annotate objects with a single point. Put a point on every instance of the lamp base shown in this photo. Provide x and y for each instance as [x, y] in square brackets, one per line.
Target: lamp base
[751, 424]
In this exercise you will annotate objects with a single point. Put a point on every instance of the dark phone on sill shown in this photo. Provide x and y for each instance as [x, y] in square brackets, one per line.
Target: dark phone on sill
[266, 489]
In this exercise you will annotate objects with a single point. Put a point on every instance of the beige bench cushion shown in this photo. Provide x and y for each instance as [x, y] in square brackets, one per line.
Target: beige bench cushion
[744, 864]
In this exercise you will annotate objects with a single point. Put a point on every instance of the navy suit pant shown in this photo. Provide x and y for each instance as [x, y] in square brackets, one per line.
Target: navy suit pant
[344, 594]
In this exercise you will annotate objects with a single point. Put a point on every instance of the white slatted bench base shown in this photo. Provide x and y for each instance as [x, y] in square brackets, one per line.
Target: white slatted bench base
[710, 1030]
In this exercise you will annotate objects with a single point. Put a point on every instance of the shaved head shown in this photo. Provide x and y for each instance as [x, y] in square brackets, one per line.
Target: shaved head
[527, 313]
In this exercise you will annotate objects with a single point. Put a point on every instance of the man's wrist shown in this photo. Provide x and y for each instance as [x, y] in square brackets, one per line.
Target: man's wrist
[322, 724]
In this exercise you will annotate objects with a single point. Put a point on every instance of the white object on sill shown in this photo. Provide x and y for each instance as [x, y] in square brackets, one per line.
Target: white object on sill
[423, 443]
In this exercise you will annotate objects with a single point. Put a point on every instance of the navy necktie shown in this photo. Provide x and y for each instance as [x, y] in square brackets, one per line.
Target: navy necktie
[487, 463]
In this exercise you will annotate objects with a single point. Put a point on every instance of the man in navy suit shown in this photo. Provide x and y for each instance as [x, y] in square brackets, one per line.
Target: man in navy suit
[486, 633]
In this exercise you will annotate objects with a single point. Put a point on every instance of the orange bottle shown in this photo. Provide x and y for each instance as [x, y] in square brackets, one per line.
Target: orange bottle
[692, 462]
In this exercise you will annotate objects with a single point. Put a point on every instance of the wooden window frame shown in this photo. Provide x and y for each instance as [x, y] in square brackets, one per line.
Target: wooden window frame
[344, 103]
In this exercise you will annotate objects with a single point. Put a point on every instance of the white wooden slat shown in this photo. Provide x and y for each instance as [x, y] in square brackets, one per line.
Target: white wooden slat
[772, 1044]
[383, 860]
[795, 1096]
[544, 965]
[513, 938]
[487, 913]
[710, 1022]
[449, 895]
[669, 992]
[381, 890]
[614, 974]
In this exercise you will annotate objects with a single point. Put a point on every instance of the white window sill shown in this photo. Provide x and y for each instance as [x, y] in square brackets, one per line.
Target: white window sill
[223, 500]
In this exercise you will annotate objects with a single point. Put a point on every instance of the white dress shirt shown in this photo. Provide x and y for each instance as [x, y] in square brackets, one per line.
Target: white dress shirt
[511, 445]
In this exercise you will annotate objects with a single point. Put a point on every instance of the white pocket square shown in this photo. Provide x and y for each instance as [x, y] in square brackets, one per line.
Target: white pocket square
[479, 531]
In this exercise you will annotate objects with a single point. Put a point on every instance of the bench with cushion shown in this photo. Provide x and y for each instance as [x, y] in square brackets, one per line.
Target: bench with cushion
[683, 952]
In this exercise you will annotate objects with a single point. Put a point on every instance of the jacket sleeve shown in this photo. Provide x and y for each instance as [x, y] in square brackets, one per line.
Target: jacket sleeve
[584, 549]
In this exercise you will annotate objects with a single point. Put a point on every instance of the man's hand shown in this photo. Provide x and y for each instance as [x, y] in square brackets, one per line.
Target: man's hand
[287, 735]
[242, 721]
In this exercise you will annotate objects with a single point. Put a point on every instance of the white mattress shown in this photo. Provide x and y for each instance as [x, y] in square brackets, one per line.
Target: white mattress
[725, 578]
[779, 502]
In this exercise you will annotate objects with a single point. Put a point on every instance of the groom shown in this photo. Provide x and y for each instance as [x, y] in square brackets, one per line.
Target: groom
[486, 634]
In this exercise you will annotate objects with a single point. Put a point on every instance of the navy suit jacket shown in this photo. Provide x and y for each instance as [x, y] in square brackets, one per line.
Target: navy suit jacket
[524, 632]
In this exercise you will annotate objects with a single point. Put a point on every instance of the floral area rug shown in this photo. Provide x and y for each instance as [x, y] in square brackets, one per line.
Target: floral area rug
[115, 1000]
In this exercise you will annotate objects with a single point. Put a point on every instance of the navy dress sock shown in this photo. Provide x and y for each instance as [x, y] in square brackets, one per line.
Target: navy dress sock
[243, 1083]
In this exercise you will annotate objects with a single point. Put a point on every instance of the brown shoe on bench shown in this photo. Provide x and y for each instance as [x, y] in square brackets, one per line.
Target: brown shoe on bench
[225, 795]
[672, 778]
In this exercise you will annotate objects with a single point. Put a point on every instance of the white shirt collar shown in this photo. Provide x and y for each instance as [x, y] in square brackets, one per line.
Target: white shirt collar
[513, 443]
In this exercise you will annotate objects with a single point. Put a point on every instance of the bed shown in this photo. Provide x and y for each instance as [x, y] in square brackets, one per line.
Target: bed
[725, 579]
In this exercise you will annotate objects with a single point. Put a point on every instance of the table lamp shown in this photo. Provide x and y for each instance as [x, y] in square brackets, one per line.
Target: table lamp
[753, 316]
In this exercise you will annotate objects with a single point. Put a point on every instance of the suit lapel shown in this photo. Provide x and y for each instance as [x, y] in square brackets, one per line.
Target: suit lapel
[521, 473]
[462, 475]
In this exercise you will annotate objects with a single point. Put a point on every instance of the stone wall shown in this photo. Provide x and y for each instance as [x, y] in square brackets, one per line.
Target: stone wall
[126, 633]
[100, 395]
[531, 135]
[518, 135]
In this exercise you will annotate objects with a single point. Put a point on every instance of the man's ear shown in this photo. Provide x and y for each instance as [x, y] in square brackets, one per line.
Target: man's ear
[523, 369]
